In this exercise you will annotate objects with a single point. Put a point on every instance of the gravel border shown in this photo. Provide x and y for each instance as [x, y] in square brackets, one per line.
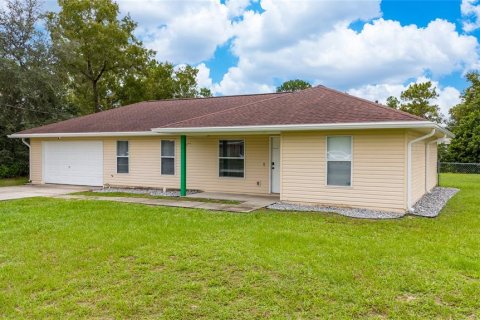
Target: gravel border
[152, 192]
[348, 212]
[429, 206]
[432, 203]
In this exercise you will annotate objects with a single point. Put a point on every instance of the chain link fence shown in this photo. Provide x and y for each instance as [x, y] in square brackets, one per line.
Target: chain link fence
[457, 167]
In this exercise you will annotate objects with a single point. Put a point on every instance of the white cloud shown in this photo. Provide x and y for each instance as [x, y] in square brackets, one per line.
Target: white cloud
[305, 39]
[448, 96]
[236, 8]
[203, 77]
[382, 52]
[180, 31]
[470, 10]
[286, 23]
[234, 82]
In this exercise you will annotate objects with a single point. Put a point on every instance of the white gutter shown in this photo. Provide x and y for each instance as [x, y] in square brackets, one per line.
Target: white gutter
[83, 134]
[409, 167]
[302, 127]
[245, 129]
[25, 143]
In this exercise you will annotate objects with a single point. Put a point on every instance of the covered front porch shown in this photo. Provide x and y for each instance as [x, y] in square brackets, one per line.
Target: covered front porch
[226, 165]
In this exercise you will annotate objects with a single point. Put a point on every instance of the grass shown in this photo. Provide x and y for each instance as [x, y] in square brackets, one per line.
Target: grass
[72, 259]
[8, 182]
[147, 196]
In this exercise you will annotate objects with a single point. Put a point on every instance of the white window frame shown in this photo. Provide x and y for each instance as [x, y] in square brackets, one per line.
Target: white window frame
[127, 156]
[169, 157]
[244, 157]
[326, 162]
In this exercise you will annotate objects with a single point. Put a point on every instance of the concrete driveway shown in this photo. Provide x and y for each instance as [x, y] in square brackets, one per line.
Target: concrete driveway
[43, 190]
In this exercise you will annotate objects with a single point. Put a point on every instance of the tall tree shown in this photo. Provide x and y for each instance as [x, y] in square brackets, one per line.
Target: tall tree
[31, 91]
[157, 81]
[92, 44]
[293, 85]
[417, 99]
[465, 124]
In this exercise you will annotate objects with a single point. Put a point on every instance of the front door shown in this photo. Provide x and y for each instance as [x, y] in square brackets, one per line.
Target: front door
[275, 164]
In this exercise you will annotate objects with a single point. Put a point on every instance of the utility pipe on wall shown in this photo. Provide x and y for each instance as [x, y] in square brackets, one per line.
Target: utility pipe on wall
[409, 167]
[183, 165]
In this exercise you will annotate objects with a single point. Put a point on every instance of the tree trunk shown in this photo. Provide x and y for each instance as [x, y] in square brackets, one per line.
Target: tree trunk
[96, 100]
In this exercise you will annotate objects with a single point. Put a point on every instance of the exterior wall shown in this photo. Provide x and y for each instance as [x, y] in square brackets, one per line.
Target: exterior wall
[202, 165]
[418, 169]
[432, 166]
[36, 161]
[144, 163]
[424, 165]
[378, 170]
[378, 167]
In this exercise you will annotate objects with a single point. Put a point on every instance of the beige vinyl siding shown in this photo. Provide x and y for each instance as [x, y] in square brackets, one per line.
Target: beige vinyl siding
[378, 166]
[36, 161]
[378, 178]
[418, 170]
[432, 166]
[202, 165]
[144, 163]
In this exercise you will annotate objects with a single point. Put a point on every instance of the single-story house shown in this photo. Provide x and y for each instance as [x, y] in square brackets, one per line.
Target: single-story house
[316, 146]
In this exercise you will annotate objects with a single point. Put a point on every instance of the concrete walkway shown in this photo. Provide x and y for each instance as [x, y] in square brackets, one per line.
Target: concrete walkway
[248, 204]
[40, 190]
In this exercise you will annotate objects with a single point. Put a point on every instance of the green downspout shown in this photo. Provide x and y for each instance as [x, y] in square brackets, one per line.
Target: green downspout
[183, 166]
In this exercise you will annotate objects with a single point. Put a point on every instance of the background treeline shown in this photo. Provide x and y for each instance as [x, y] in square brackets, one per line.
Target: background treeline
[83, 59]
[463, 120]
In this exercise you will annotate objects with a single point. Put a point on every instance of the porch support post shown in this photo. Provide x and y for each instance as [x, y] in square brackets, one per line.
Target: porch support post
[183, 166]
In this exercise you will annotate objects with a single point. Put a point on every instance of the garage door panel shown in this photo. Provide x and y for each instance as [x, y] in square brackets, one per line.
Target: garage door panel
[73, 162]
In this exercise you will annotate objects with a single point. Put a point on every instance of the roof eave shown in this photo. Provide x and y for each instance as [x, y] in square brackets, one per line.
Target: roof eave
[83, 134]
[246, 129]
[308, 127]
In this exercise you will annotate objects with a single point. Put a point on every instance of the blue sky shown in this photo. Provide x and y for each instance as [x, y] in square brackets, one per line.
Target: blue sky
[369, 48]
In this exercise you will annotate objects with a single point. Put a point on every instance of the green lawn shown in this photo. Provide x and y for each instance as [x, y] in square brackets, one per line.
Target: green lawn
[13, 181]
[71, 259]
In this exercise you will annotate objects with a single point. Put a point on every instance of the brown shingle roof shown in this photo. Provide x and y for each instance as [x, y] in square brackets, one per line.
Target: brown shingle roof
[318, 105]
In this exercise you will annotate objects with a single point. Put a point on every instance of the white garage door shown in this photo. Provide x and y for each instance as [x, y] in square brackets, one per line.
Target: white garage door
[73, 162]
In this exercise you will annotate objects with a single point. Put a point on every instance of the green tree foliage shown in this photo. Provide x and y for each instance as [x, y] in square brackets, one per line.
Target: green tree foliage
[31, 92]
[93, 44]
[157, 81]
[293, 85]
[417, 100]
[205, 93]
[465, 124]
[85, 60]
[106, 64]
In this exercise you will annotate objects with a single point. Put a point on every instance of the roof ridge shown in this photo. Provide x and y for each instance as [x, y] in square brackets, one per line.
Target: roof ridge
[279, 95]
[378, 105]
[217, 97]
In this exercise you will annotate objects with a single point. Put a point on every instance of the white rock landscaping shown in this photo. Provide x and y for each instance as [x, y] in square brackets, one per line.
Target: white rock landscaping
[429, 206]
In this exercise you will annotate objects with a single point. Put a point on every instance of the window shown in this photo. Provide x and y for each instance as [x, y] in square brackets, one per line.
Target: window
[339, 161]
[122, 156]
[168, 157]
[231, 158]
